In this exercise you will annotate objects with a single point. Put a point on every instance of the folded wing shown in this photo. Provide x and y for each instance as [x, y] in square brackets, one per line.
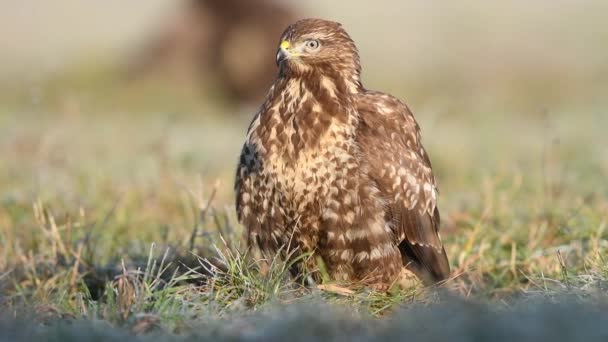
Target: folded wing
[390, 141]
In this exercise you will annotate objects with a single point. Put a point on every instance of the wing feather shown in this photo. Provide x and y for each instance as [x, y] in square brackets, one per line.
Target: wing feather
[390, 141]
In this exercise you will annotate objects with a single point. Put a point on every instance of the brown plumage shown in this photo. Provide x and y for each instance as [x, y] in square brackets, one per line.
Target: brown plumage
[332, 168]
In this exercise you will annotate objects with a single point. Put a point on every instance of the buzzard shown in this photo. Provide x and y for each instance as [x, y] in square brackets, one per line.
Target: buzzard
[334, 169]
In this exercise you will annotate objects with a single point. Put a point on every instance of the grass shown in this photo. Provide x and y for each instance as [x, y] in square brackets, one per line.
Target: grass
[116, 215]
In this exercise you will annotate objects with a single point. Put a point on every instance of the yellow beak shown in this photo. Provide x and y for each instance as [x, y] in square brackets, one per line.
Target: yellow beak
[283, 52]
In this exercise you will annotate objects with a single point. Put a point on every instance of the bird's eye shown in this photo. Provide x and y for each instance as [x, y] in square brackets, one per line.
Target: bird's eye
[313, 44]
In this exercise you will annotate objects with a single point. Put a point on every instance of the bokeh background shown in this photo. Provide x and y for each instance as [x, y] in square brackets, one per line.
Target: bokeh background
[120, 119]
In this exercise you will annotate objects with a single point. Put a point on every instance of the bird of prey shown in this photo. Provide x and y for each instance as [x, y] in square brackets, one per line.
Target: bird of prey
[336, 170]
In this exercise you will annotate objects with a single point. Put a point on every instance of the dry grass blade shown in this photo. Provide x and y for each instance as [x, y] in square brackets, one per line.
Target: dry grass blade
[336, 289]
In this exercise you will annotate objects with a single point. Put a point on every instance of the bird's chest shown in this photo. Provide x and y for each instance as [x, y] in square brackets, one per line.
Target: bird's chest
[306, 165]
[306, 179]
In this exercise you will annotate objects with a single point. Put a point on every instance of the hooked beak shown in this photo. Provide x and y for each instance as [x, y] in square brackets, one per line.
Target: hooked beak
[283, 52]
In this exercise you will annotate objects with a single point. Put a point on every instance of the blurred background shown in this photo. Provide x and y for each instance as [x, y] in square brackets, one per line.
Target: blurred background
[138, 109]
[531, 54]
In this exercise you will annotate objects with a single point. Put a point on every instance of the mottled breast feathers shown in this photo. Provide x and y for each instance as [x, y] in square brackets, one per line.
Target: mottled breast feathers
[333, 169]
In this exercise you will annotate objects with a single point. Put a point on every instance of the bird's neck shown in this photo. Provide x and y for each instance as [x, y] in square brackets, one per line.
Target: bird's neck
[344, 82]
[304, 100]
[333, 91]
[307, 109]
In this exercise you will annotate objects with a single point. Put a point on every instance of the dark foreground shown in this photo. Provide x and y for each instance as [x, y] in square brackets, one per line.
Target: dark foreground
[456, 321]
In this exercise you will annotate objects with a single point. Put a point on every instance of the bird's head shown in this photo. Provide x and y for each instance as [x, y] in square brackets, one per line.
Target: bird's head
[316, 45]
